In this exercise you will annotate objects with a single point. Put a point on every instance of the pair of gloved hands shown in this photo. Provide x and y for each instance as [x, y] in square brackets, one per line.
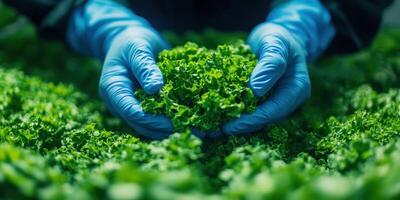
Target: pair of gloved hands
[294, 33]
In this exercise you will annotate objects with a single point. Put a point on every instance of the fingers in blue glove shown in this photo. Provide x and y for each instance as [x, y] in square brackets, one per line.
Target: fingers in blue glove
[271, 66]
[288, 93]
[125, 68]
[140, 60]
[127, 44]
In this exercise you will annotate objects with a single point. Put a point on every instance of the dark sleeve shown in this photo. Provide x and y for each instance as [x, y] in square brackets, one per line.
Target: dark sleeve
[356, 22]
[50, 16]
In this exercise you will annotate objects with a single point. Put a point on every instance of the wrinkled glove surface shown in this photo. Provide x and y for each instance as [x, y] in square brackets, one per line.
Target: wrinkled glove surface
[294, 34]
[127, 45]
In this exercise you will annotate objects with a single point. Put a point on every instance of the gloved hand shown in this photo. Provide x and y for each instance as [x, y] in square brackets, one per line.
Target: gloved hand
[294, 33]
[127, 44]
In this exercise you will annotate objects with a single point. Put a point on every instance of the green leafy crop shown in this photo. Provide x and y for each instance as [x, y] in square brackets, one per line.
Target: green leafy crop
[203, 88]
[58, 142]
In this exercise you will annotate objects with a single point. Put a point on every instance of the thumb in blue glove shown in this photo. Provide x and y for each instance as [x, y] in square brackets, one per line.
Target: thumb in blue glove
[127, 45]
[295, 33]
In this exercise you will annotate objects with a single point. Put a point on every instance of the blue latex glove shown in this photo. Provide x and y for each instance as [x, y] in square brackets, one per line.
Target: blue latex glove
[127, 44]
[295, 32]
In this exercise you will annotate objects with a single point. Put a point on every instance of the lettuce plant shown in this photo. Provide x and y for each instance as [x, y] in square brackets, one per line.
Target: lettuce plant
[204, 88]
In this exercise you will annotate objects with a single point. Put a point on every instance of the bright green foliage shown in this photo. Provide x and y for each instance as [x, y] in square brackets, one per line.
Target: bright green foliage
[58, 142]
[62, 125]
[23, 174]
[203, 88]
[375, 122]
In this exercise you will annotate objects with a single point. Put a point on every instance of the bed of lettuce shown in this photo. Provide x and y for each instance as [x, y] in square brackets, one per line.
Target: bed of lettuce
[57, 141]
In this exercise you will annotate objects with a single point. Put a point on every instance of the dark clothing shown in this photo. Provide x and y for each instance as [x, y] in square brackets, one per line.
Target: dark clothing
[356, 21]
[228, 15]
[50, 16]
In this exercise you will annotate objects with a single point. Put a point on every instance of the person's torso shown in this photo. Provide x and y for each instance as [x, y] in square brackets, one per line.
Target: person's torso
[183, 15]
